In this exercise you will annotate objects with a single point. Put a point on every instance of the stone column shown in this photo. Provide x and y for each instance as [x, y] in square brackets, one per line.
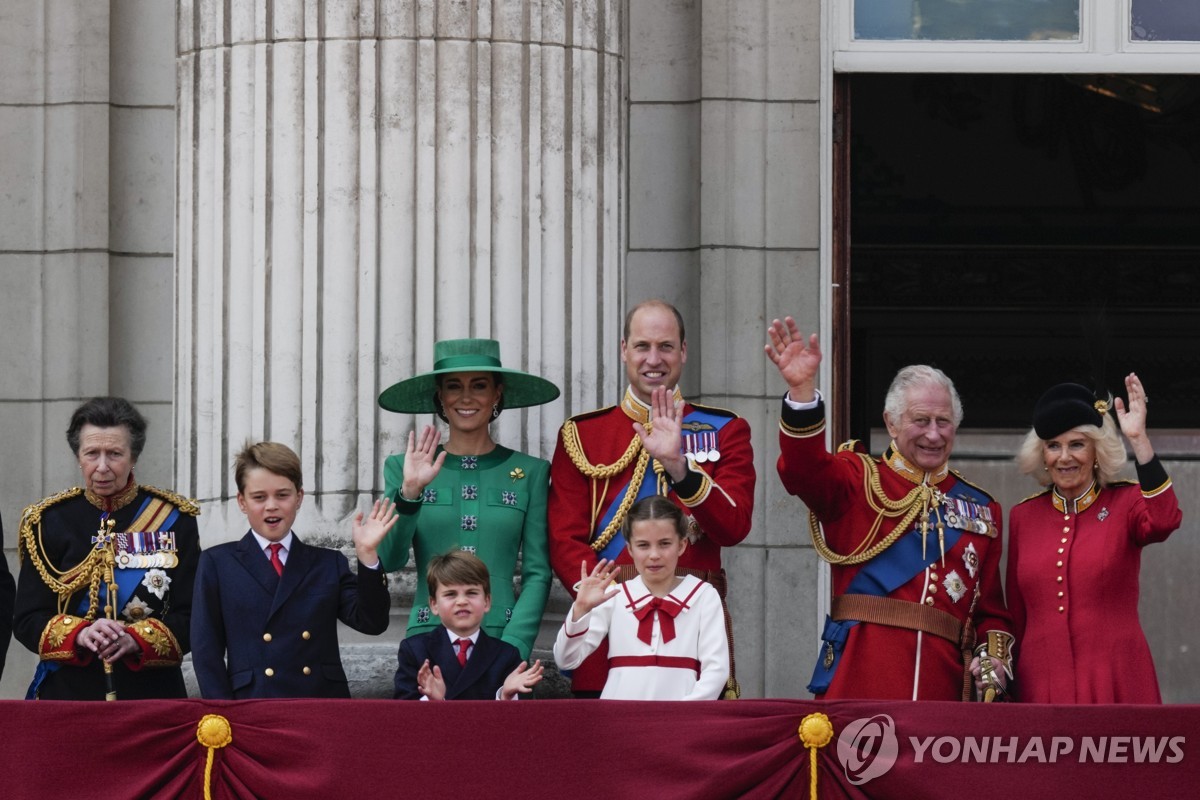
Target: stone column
[357, 179]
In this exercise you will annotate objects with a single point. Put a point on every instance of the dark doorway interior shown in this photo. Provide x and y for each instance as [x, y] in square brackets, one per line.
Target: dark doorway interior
[1018, 231]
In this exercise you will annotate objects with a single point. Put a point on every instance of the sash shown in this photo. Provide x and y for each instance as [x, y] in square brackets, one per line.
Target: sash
[698, 421]
[155, 515]
[887, 572]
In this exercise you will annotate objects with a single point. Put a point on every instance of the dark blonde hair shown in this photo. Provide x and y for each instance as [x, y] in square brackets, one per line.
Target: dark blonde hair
[654, 507]
[457, 568]
[271, 456]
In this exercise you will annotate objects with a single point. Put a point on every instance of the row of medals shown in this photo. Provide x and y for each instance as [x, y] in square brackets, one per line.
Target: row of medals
[161, 559]
[701, 447]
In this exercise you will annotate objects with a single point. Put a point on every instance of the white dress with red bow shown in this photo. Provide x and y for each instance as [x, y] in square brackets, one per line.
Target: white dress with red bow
[671, 648]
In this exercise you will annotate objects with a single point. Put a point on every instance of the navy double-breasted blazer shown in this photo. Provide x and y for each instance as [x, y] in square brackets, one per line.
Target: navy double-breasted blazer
[259, 634]
[489, 664]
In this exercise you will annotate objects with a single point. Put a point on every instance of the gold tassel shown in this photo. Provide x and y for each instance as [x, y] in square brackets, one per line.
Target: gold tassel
[213, 732]
[816, 731]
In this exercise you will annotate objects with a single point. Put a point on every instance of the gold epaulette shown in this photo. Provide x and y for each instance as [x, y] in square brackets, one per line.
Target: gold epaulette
[32, 515]
[974, 486]
[184, 504]
[852, 446]
[589, 414]
[720, 412]
[1035, 494]
[1125, 482]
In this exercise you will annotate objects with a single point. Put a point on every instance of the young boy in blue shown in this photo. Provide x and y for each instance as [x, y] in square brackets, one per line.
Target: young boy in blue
[458, 660]
[266, 608]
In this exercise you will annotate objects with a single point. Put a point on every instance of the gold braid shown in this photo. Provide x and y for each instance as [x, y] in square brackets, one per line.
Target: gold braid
[64, 583]
[574, 449]
[908, 507]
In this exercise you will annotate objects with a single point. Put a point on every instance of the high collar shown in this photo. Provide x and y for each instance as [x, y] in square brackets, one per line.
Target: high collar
[117, 501]
[638, 411]
[1079, 504]
[909, 471]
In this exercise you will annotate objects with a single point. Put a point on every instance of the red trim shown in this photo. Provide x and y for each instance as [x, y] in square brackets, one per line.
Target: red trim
[575, 635]
[672, 662]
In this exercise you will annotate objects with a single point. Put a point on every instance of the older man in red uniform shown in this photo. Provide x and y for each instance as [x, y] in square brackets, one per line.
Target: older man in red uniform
[914, 548]
[653, 442]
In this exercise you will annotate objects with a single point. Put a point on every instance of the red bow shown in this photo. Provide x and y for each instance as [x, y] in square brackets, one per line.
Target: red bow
[666, 619]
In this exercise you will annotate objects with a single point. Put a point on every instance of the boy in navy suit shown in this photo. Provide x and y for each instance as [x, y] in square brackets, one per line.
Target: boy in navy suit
[266, 608]
[458, 660]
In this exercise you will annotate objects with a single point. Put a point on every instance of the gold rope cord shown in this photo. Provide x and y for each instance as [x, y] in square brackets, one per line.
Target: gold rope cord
[213, 732]
[605, 472]
[907, 507]
[815, 731]
[64, 583]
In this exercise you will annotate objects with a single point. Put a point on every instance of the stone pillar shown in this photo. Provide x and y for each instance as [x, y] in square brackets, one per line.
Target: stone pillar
[358, 179]
[724, 220]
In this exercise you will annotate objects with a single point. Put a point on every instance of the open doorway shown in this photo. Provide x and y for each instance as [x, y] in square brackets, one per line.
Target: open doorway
[1021, 230]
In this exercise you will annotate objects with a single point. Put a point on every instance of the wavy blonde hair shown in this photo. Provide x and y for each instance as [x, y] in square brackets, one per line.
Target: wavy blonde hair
[1110, 452]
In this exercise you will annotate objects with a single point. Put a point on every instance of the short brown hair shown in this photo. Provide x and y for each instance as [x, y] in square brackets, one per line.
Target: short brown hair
[654, 507]
[652, 304]
[457, 568]
[271, 456]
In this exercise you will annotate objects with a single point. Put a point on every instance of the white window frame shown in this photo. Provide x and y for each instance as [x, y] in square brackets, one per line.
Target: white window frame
[1104, 46]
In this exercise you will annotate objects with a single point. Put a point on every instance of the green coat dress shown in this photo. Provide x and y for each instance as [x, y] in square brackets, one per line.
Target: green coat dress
[493, 505]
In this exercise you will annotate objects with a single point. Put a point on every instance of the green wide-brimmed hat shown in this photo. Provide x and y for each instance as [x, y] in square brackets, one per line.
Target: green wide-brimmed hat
[415, 395]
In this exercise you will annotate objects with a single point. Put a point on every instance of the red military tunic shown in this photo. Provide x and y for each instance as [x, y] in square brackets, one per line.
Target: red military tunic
[1073, 590]
[718, 495]
[881, 661]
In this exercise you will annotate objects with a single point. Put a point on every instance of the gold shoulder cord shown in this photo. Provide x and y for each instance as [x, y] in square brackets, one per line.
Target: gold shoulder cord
[606, 472]
[907, 507]
[64, 583]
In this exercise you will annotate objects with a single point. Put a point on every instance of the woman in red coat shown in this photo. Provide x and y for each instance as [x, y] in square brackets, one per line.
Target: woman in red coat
[1075, 551]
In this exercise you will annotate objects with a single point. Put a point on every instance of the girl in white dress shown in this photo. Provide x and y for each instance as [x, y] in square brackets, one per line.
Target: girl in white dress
[666, 634]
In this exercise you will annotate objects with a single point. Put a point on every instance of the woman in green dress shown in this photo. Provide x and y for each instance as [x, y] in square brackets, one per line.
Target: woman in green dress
[471, 493]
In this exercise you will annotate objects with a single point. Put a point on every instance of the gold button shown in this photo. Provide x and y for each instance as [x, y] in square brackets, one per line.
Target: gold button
[1060, 609]
[1066, 517]
[306, 635]
[67, 620]
[1059, 578]
[928, 601]
[932, 589]
[1058, 564]
[1060, 594]
[933, 576]
[307, 671]
[270, 672]
[1066, 530]
[266, 637]
[147, 630]
[1060, 551]
[1063, 540]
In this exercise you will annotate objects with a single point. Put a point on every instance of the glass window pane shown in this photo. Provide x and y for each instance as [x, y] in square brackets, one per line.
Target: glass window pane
[953, 20]
[1165, 21]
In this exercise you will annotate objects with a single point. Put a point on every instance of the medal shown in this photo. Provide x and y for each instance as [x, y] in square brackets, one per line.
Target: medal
[713, 453]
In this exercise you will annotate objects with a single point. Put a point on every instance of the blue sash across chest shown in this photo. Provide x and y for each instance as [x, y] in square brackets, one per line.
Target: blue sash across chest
[696, 420]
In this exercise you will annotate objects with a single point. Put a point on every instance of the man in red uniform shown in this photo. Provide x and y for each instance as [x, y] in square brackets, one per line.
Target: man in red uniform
[914, 548]
[653, 442]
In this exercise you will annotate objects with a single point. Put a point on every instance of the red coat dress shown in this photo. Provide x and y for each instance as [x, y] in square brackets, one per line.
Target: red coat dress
[881, 661]
[718, 495]
[1073, 590]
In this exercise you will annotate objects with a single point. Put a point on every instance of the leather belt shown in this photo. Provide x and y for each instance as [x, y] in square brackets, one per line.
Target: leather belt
[898, 614]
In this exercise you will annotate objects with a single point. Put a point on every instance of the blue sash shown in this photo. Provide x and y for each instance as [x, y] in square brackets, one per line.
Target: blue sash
[698, 419]
[879, 577]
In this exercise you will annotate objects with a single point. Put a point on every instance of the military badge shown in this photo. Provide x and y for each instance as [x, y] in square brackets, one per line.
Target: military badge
[517, 474]
[1103, 514]
[157, 582]
[136, 610]
[971, 559]
[954, 586]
